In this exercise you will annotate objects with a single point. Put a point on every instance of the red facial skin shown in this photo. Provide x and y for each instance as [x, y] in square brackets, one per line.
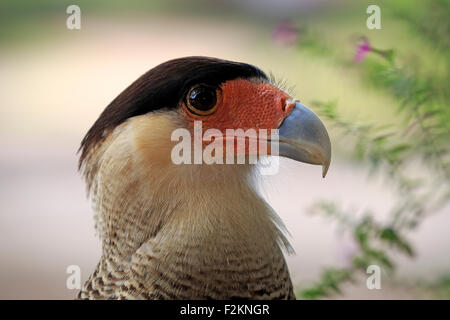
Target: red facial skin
[243, 104]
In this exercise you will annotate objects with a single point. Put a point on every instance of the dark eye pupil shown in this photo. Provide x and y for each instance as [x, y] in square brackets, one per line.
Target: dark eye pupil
[203, 98]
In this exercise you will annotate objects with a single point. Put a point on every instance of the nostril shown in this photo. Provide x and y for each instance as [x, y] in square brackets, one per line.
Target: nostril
[288, 105]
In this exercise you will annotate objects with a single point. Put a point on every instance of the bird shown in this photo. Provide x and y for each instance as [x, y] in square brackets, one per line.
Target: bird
[192, 230]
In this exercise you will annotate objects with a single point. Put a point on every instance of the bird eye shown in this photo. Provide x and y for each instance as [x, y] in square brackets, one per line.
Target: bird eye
[202, 100]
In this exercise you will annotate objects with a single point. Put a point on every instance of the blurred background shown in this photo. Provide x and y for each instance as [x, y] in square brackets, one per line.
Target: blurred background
[382, 93]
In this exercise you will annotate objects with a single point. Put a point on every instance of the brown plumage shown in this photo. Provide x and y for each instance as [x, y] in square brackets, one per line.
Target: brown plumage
[182, 231]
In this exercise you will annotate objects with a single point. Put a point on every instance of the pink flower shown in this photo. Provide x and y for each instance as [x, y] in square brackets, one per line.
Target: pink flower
[363, 49]
[285, 33]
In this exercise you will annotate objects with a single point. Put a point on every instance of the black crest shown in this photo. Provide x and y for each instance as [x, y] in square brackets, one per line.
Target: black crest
[164, 87]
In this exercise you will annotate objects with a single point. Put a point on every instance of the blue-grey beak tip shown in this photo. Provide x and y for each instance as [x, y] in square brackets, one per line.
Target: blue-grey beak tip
[303, 137]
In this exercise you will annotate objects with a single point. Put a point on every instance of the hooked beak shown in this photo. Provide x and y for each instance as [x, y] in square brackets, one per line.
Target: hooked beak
[303, 137]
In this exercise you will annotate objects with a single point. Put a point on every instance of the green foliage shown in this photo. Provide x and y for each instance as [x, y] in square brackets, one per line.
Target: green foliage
[441, 288]
[331, 278]
[414, 156]
[374, 241]
[429, 19]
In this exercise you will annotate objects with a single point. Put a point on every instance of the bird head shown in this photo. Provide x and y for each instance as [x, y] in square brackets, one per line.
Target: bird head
[155, 215]
[220, 95]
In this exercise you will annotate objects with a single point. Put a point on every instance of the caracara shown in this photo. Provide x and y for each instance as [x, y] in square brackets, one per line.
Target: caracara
[192, 230]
